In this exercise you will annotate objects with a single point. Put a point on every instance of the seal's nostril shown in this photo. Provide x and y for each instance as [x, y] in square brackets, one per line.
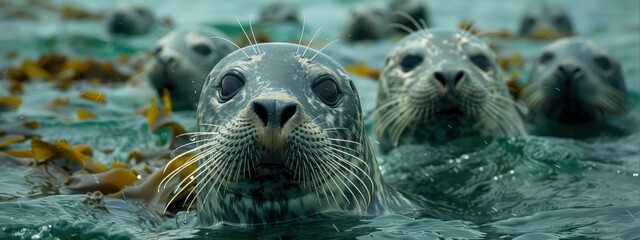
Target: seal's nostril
[458, 77]
[262, 112]
[287, 114]
[441, 78]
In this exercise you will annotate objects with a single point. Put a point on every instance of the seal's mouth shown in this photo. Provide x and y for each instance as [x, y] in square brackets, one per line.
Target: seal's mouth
[451, 112]
[271, 172]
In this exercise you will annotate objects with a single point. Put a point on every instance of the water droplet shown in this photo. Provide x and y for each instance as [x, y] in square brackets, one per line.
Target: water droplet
[636, 174]
[450, 160]
[512, 172]
[495, 178]
[618, 172]
[139, 177]
[458, 160]
[465, 156]
[481, 169]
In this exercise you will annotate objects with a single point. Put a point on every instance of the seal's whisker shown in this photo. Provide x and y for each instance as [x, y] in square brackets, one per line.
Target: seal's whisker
[494, 112]
[304, 22]
[354, 166]
[401, 27]
[253, 34]
[246, 35]
[178, 191]
[408, 17]
[343, 147]
[234, 44]
[323, 169]
[319, 51]
[610, 100]
[344, 140]
[177, 171]
[333, 129]
[212, 125]
[399, 128]
[315, 175]
[192, 142]
[183, 154]
[349, 154]
[387, 104]
[354, 174]
[335, 168]
[423, 23]
[311, 41]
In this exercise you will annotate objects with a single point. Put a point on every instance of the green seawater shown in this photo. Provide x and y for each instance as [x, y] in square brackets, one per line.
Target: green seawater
[530, 187]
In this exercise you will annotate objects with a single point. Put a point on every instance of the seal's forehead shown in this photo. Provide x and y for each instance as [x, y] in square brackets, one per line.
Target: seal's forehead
[576, 45]
[277, 55]
[438, 40]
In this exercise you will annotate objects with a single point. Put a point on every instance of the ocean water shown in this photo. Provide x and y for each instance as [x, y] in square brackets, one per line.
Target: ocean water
[532, 187]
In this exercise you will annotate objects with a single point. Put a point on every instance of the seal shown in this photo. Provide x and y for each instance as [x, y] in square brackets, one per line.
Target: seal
[130, 20]
[575, 81]
[279, 11]
[544, 21]
[280, 136]
[366, 22]
[441, 84]
[181, 61]
[411, 10]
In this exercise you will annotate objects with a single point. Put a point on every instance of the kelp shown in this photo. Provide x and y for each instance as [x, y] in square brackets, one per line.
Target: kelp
[43, 151]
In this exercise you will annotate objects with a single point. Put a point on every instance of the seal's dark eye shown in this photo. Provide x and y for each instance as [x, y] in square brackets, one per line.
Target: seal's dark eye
[561, 20]
[410, 61]
[142, 11]
[528, 22]
[546, 57]
[157, 51]
[327, 90]
[230, 85]
[603, 62]
[202, 49]
[481, 61]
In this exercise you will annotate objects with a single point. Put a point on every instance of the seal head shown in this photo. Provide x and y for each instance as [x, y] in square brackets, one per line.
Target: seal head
[366, 22]
[130, 20]
[181, 61]
[441, 84]
[546, 21]
[280, 136]
[573, 81]
[279, 11]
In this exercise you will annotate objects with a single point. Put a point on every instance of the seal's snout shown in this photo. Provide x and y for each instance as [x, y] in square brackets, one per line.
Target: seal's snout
[274, 113]
[449, 79]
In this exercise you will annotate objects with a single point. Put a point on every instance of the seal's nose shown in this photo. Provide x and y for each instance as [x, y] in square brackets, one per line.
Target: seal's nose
[449, 78]
[568, 71]
[274, 113]
[165, 61]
